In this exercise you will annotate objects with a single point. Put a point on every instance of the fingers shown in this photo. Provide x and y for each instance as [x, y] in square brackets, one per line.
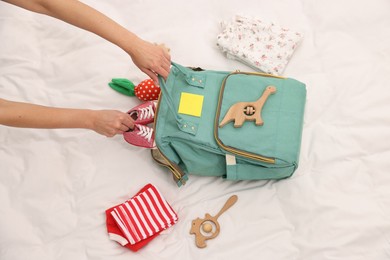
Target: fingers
[125, 123]
[128, 122]
[111, 132]
[113, 123]
[152, 75]
[166, 50]
[166, 53]
[162, 45]
[167, 58]
[163, 71]
[165, 63]
[123, 128]
[152, 59]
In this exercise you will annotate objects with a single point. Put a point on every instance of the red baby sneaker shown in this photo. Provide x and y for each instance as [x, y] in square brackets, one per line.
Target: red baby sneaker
[143, 114]
[141, 136]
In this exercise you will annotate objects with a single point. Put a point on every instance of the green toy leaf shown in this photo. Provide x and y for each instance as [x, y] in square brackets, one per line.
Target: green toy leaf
[123, 86]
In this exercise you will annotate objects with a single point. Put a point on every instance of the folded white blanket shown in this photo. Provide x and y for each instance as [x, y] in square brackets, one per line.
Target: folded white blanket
[264, 46]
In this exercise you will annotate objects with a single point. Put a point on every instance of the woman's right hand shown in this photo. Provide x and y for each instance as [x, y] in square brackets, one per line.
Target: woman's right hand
[152, 59]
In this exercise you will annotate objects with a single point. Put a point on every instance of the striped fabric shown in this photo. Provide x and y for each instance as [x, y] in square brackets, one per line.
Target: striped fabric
[144, 215]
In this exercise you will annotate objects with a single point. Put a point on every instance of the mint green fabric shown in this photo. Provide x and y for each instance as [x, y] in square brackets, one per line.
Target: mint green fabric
[189, 141]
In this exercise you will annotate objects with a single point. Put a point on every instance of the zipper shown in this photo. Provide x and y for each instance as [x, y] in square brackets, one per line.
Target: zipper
[262, 74]
[205, 147]
[178, 175]
[230, 149]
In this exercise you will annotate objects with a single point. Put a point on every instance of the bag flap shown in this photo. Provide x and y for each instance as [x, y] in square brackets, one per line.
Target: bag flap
[260, 117]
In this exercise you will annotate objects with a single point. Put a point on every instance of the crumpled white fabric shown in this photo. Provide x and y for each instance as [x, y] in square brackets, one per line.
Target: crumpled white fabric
[261, 45]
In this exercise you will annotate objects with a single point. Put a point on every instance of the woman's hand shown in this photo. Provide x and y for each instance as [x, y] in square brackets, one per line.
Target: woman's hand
[104, 122]
[110, 122]
[152, 59]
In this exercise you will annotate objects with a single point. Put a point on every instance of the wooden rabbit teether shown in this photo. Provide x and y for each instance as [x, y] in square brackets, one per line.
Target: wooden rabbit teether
[203, 228]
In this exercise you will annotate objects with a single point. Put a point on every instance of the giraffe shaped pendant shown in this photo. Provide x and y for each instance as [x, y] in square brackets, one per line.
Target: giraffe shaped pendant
[247, 111]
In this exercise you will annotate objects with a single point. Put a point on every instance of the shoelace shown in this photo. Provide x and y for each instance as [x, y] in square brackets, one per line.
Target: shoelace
[145, 132]
[147, 112]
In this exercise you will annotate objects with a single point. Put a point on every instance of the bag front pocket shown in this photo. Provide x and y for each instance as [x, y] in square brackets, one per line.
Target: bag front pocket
[246, 122]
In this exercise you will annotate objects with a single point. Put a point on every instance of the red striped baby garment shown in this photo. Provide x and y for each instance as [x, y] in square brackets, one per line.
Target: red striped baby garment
[143, 216]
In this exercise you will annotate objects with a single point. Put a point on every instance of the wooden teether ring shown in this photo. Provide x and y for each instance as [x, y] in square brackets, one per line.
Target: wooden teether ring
[199, 225]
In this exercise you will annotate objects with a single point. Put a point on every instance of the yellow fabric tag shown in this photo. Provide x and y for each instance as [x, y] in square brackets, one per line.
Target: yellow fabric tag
[191, 104]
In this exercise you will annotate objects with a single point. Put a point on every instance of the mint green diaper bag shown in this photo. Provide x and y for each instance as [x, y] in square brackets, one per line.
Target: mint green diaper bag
[236, 125]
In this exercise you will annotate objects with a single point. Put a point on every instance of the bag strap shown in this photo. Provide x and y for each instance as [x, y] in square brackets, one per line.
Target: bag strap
[193, 79]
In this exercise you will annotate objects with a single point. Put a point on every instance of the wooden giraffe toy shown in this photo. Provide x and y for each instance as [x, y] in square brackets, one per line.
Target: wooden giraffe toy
[247, 111]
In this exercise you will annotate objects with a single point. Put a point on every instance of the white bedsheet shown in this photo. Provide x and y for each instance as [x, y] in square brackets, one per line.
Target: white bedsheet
[56, 184]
